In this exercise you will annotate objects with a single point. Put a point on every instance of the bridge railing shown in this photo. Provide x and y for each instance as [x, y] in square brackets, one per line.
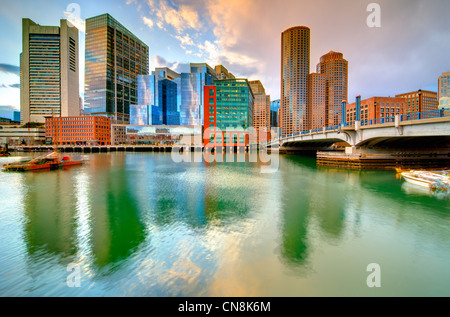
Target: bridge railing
[404, 117]
[424, 115]
[378, 121]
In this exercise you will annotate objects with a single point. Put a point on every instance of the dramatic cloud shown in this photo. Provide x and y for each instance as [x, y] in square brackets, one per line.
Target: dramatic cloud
[180, 18]
[10, 69]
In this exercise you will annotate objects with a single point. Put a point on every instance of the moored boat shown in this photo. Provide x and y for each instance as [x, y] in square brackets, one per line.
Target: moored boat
[428, 179]
[50, 161]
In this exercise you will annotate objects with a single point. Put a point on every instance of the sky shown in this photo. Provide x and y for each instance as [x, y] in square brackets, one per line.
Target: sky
[408, 51]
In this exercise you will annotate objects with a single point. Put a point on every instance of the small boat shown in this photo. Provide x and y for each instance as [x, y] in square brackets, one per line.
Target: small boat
[431, 180]
[50, 161]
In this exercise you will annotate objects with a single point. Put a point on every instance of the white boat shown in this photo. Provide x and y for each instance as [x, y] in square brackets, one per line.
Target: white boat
[427, 179]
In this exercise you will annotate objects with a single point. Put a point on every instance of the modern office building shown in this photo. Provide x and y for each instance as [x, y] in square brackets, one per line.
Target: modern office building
[419, 101]
[317, 110]
[166, 97]
[228, 113]
[49, 75]
[80, 130]
[295, 66]
[274, 111]
[261, 110]
[114, 59]
[335, 68]
[222, 73]
[444, 90]
[157, 99]
[382, 109]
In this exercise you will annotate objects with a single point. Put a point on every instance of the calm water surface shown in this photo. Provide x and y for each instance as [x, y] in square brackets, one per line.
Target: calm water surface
[139, 224]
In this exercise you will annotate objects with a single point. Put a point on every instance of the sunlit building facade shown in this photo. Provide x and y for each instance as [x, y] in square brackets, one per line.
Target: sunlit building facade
[49, 75]
[114, 59]
[261, 110]
[295, 64]
[335, 68]
[444, 90]
[80, 130]
[382, 109]
[228, 113]
[316, 101]
[419, 101]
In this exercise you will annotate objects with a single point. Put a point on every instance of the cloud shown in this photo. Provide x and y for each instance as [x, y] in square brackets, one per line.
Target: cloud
[148, 22]
[175, 66]
[181, 18]
[10, 69]
[10, 86]
[185, 40]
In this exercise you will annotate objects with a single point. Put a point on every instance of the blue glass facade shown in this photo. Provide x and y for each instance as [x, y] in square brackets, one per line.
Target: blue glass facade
[274, 106]
[177, 101]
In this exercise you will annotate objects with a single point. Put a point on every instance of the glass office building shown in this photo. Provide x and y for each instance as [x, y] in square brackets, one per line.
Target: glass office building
[168, 98]
[114, 59]
[274, 107]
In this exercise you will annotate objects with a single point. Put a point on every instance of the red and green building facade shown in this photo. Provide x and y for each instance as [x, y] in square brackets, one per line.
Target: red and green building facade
[228, 108]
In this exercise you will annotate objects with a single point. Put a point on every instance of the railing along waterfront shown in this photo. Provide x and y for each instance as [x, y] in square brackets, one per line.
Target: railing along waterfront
[385, 120]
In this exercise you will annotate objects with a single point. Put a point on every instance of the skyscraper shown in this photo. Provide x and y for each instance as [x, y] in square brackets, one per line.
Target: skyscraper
[49, 78]
[316, 101]
[114, 59]
[335, 68]
[444, 90]
[295, 61]
[261, 110]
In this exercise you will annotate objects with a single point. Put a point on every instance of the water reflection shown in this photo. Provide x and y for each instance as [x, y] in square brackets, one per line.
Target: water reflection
[49, 209]
[117, 230]
[142, 225]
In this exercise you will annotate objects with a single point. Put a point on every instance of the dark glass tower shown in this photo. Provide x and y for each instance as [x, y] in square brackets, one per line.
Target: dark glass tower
[114, 59]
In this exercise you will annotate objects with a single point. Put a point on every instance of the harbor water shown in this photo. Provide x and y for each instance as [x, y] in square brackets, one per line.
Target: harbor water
[140, 224]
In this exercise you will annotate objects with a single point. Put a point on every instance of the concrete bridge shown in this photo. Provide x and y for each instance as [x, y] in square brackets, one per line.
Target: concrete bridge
[423, 136]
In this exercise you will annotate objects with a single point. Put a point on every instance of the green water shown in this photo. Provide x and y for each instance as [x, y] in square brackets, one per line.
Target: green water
[138, 224]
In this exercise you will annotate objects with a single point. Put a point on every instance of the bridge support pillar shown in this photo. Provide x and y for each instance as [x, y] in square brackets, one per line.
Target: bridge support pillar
[350, 150]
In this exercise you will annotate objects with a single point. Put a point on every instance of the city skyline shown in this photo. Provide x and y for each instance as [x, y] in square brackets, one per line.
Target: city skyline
[179, 33]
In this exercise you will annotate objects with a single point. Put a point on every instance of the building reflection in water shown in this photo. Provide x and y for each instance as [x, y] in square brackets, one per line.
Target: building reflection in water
[116, 227]
[312, 204]
[49, 208]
